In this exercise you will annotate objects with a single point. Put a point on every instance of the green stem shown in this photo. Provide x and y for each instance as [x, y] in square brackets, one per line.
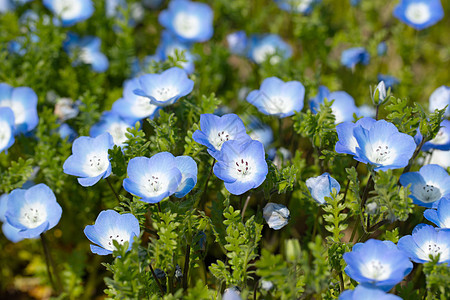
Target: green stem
[348, 184]
[50, 265]
[203, 198]
[112, 189]
[156, 279]
[186, 267]
[245, 207]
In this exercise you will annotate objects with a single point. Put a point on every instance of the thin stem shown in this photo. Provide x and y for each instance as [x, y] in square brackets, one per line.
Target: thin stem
[348, 184]
[159, 207]
[341, 282]
[156, 279]
[372, 229]
[376, 114]
[416, 152]
[366, 191]
[245, 206]
[355, 228]
[112, 189]
[203, 198]
[49, 263]
[186, 267]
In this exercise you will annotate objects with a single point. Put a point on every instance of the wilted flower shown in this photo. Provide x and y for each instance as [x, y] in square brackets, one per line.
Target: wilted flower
[276, 215]
[441, 216]
[322, 186]
[70, 12]
[353, 56]
[419, 14]
[367, 292]
[439, 99]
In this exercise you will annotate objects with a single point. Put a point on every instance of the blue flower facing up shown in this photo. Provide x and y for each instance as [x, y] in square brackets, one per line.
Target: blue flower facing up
[88, 52]
[189, 21]
[322, 186]
[441, 216]
[112, 123]
[166, 88]
[268, 46]
[23, 102]
[237, 42]
[70, 12]
[276, 215]
[110, 226]
[353, 56]
[419, 14]
[33, 211]
[428, 185]
[297, 6]
[278, 98]
[241, 165]
[217, 130]
[10, 232]
[347, 142]
[425, 241]
[89, 159]
[6, 128]
[367, 293]
[439, 99]
[377, 264]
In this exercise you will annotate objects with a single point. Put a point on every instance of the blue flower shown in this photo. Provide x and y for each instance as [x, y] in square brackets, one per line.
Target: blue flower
[343, 106]
[87, 51]
[419, 14]
[368, 111]
[278, 98]
[6, 128]
[353, 56]
[71, 12]
[381, 49]
[242, 166]
[428, 185]
[167, 46]
[439, 99]
[188, 169]
[90, 160]
[298, 6]
[10, 232]
[425, 241]
[276, 215]
[133, 107]
[377, 263]
[154, 178]
[23, 102]
[383, 146]
[441, 158]
[237, 42]
[189, 21]
[441, 141]
[217, 130]
[367, 293]
[260, 132]
[355, 2]
[110, 226]
[5, 6]
[322, 186]
[441, 216]
[347, 142]
[65, 131]
[166, 88]
[389, 81]
[112, 123]
[33, 211]
[268, 46]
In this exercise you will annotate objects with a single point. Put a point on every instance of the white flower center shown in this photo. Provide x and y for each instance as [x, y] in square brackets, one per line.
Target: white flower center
[120, 236]
[433, 248]
[429, 193]
[186, 25]
[218, 139]
[376, 270]
[165, 93]
[86, 56]
[303, 5]
[441, 137]
[5, 134]
[117, 131]
[381, 154]
[243, 168]
[143, 107]
[96, 164]
[32, 215]
[68, 9]
[418, 13]
[155, 184]
[17, 108]
[261, 53]
[338, 114]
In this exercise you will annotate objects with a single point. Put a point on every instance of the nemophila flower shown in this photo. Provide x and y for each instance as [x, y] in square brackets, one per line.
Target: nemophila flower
[428, 185]
[298, 6]
[343, 106]
[260, 132]
[10, 232]
[377, 263]
[353, 56]
[6, 128]
[89, 160]
[110, 226]
[389, 81]
[188, 169]
[383, 146]
[276, 215]
[231, 293]
[65, 131]
[33, 211]
[66, 108]
[86, 50]
[322, 186]
[237, 42]
[347, 142]
[268, 46]
[425, 241]
[367, 111]
[439, 99]
[419, 14]
[167, 47]
[166, 88]
[381, 49]
[189, 21]
[23, 102]
[355, 2]
[278, 98]
[112, 123]
[241, 165]
[154, 178]
[70, 12]
[441, 216]
[217, 130]
[441, 158]
[441, 141]
[367, 293]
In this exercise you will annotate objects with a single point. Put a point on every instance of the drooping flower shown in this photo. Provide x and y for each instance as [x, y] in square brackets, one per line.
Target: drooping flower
[377, 263]
[217, 130]
[89, 160]
[110, 226]
[439, 99]
[367, 293]
[428, 185]
[113, 124]
[322, 186]
[241, 165]
[70, 12]
[278, 98]
[166, 88]
[33, 211]
[419, 14]
[188, 169]
[297, 6]
[425, 241]
[154, 178]
[276, 215]
[268, 46]
[189, 21]
[237, 42]
[347, 142]
[10, 232]
[441, 216]
[6, 128]
[23, 102]
[353, 56]
[86, 50]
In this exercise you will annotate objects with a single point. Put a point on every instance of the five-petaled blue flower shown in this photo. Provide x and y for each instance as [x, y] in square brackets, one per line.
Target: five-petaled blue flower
[112, 123]
[367, 293]
[278, 98]
[88, 52]
[353, 56]
[90, 160]
[268, 47]
[33, 211]
[419, 14]
[439, 99]
[276, 215]
[110, 226]
[377, 263]
[347, 142]
[322, 186]
[6, 128]
[441, 216]
[70, 12]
